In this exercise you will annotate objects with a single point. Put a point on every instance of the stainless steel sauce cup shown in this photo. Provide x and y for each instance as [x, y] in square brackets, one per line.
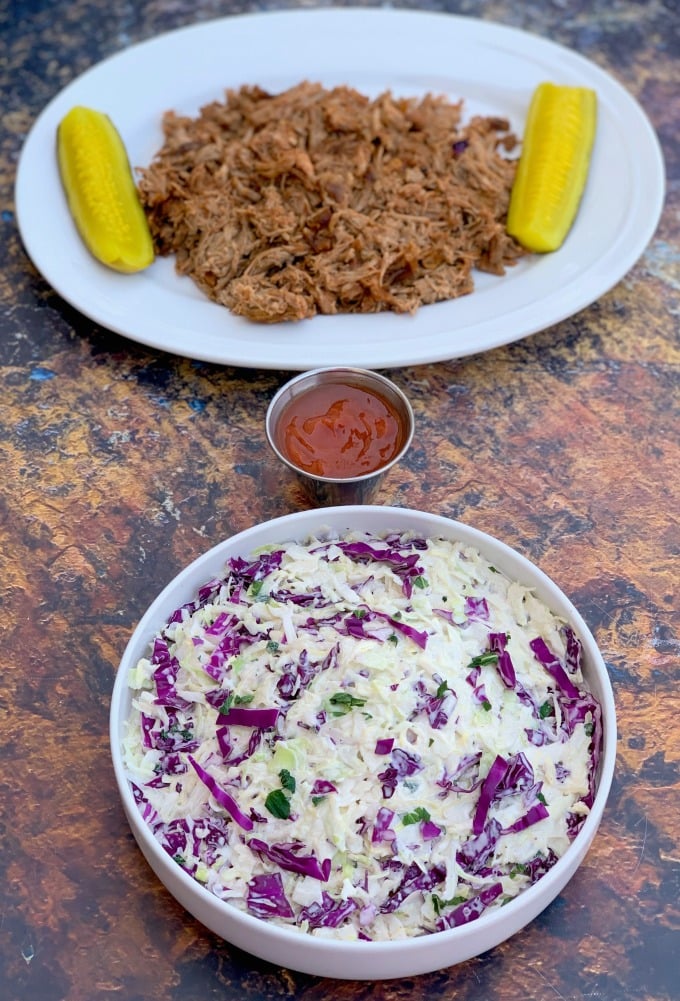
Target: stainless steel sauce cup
[331, 490]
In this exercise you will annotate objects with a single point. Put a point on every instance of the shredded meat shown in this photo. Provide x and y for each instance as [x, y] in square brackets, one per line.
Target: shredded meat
[324, 201]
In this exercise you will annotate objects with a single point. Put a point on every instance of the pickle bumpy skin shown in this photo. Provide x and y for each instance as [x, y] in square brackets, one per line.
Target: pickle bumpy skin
[101, 193]
[553, 165]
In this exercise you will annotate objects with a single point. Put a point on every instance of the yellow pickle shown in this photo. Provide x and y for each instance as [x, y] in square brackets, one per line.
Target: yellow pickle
[553, 166]
[101, 192]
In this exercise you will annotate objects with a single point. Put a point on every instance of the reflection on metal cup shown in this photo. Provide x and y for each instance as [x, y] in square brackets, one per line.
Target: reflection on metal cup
[340, 429]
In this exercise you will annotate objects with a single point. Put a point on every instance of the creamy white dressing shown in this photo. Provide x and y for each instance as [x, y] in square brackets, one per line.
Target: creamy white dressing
[388, 678]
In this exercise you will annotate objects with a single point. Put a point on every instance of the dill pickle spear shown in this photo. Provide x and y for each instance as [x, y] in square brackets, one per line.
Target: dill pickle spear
[553, 166]
[100, 190]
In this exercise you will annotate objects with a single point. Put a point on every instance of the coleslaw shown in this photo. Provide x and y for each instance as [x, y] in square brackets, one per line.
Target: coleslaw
[364, 737]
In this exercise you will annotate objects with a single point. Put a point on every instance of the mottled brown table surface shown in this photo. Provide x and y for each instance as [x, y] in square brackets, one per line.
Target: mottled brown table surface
[121, 464]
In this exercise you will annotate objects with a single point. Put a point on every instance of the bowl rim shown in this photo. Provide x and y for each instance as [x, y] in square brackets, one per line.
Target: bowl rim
[518, 912]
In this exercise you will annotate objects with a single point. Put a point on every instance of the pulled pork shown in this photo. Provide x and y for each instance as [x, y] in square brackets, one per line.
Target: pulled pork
[324, 201]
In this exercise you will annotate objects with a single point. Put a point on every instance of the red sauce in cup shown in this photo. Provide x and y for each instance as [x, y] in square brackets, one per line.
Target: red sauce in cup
[340, 430]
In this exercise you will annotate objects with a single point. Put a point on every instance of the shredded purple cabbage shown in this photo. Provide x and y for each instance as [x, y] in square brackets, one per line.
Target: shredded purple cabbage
[404, 566]
[384, 745]
[429, 830]
[288, 856]
[322, 787]
[467, 770]
[265, 897]
[329, 913]
[413, 880]
[539, 811]
[474, 853]
[229, 749]
[356, 626]
[478, 689]
[437, 708]
[476, 608]
[550, 662]
[234, 639]
[537, 867]
[471, 909]
[574, 651]
[222, 796]
[504, 665]
[382, 830]
[402, 764]
[165, 676]
[262, 719]
[257, 569]
[504, 778]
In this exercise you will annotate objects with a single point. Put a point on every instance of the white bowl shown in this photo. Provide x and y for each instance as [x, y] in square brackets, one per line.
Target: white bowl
[361, 960]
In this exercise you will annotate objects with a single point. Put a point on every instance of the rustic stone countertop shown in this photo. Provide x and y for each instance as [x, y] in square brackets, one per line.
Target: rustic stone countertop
[120, 464]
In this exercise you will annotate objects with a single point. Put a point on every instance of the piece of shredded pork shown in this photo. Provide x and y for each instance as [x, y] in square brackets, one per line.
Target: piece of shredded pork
[313, 201]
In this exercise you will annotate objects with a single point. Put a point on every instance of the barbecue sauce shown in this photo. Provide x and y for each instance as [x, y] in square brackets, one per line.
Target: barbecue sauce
[340, 430]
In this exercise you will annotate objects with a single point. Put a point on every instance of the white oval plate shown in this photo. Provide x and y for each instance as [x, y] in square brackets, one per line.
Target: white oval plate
[326, 957]
[493, 68]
